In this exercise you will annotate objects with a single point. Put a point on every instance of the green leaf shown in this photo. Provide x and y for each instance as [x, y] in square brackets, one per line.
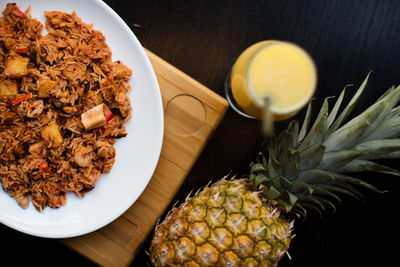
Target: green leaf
[368, 115]
[257, 167]
[386, 93]
[394, 113]
[346, 138]
[389, 128]
[262, 159]
[360, 165]
[260, 179]
[341, 190]
[307, 198]
[391, 155]
[374, 114]
[342, 178]
[332, 115]
[375, 148]
[315, 176]
[288, 200]
[316, 134]
[270, 147]
[292, 198]
[274, 167]
[335, 160]
[313, 207]
[284, 183]
[320, 190]
[299, 211]
[294, 132]
[294, 155]
[325, 201]
[349, 108]
[300, 186]
[389, 102]
[272, 193]
[291, 170]
[285, 142]
[311, 156]
[306, 123]
[352, 189]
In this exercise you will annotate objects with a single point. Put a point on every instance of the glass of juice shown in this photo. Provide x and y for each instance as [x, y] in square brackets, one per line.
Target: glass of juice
[271, 77]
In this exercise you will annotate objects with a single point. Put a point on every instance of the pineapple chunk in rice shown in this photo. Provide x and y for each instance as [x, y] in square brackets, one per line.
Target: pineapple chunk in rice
[45, 85]
[51, 135]
[8, 88]
[16, 67]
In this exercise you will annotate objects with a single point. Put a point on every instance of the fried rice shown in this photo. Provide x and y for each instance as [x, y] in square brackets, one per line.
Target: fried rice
[63, 105]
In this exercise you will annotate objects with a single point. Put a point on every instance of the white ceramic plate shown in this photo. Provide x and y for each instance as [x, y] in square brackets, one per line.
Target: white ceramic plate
[137, 154]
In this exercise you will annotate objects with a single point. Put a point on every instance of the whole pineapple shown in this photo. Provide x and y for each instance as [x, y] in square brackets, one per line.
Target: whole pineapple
[245, 222]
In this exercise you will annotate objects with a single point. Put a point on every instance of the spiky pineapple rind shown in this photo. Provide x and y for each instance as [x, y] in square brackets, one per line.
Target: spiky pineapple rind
[223, 224]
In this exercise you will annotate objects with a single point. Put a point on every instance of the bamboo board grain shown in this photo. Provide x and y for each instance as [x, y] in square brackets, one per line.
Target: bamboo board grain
[192, 112]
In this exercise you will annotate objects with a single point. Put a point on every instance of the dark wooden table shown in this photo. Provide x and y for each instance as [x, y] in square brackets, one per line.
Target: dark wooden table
[346, 38]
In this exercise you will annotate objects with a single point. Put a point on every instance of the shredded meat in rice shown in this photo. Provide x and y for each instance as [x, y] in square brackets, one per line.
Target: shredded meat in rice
[63, 105]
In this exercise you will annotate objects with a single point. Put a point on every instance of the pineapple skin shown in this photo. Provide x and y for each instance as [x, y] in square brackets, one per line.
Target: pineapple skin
[226, 224]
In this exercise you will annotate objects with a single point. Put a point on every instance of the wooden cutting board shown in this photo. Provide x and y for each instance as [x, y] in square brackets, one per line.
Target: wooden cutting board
[192, 112]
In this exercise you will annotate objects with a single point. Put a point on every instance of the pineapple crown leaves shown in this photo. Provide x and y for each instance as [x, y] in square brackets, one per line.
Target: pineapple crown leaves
[306, 168]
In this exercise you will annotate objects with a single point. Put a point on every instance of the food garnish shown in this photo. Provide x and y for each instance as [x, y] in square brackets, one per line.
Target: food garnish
[21, 98]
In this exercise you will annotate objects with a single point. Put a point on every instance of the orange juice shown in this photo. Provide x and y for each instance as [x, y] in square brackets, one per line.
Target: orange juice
[281, 71]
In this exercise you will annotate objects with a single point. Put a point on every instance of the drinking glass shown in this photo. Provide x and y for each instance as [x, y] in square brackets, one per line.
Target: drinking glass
[271, 80]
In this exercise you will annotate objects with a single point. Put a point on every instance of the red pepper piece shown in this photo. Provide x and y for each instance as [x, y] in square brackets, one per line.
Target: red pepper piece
[44, 167]
[22, 50]
[19, 13]
[5, 27]
[109, 116]
[21, 98]
[96, 86]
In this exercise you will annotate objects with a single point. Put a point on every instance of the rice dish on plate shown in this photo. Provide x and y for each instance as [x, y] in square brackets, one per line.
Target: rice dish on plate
[63, 104]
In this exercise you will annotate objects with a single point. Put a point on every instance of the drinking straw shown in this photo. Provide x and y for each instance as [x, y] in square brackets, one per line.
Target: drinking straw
[267, 124]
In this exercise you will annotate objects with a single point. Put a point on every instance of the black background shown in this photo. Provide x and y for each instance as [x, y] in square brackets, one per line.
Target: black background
[346, 38]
